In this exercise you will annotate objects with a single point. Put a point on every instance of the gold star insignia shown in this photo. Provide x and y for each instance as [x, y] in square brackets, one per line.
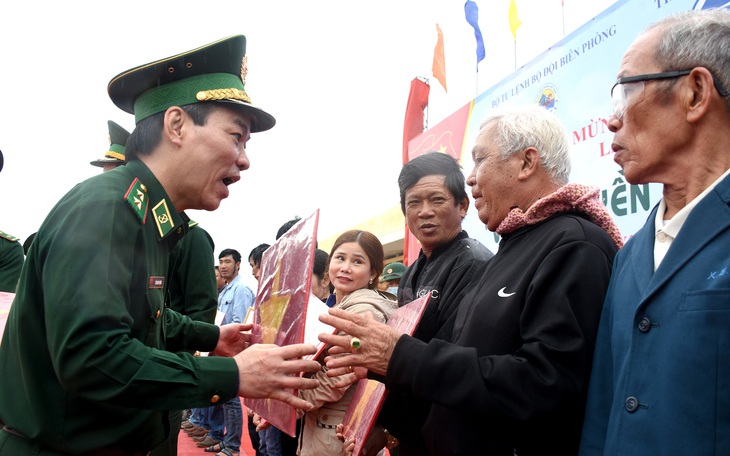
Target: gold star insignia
[139, 199]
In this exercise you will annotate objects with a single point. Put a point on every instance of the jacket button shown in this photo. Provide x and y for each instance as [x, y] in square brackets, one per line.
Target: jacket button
[158, 314]
[215, 399]
[632, 404]
[644, 325]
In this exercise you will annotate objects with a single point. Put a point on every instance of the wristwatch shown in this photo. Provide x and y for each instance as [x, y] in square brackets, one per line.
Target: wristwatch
[391, 442]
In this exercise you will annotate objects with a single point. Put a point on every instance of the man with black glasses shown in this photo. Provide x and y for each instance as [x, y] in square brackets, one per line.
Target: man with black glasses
[661, 362]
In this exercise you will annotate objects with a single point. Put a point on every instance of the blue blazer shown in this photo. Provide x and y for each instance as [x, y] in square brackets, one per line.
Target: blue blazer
[661, 374]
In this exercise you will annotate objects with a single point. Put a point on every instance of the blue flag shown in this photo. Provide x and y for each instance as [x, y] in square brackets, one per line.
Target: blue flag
[471, 10]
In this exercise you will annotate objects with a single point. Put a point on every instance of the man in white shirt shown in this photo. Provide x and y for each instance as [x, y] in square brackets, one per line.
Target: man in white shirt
[234, 300]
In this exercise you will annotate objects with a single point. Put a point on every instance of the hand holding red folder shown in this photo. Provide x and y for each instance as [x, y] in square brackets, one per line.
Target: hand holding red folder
[377, 342]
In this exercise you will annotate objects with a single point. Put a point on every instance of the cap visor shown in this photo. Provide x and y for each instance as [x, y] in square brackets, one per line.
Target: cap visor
[261, 120]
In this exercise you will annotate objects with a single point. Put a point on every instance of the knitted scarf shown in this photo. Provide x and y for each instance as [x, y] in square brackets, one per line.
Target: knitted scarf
[568, 198]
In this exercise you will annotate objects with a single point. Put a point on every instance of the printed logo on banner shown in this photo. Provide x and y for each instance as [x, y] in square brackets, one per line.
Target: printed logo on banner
[548, 97]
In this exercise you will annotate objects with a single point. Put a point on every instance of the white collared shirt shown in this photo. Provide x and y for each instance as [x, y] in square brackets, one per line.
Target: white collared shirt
[665, 231]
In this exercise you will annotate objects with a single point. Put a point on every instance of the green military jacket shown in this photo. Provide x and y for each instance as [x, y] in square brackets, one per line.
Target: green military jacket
[193, 289]
[11, 262]
[83, 356]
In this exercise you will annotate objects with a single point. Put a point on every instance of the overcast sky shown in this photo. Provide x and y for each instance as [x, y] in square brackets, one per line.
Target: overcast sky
[335, 74]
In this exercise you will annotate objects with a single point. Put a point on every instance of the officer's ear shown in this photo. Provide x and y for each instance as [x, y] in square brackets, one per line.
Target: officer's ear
[173, 123]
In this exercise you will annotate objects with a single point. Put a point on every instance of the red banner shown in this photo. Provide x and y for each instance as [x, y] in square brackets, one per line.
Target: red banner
[414, 121]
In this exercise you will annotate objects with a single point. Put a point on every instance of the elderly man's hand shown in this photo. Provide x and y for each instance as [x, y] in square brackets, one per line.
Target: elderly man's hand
[377, 341]
[232, 340]
[269, 371]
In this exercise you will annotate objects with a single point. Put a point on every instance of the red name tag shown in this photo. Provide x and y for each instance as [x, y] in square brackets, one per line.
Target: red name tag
[157, 282]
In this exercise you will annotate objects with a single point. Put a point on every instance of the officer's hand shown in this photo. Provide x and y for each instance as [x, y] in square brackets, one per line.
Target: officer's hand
[270, 371]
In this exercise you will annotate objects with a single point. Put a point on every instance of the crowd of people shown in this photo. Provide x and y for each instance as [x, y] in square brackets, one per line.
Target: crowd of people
[563, 341]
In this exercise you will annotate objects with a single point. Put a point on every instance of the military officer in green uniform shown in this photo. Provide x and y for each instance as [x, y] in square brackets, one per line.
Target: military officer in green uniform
[11, 261]
[193, 287]
[115, 155]
[193, 291]
[85, 370]
[11, 256]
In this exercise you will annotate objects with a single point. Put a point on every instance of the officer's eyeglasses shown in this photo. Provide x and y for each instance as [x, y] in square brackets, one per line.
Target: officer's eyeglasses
[631, 88]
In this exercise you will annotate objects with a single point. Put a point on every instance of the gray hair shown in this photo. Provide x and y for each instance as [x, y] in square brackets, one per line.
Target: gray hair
[699, 38]
[533, 126]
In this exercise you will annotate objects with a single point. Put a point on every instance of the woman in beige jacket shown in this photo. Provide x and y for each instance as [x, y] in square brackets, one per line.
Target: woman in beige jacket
[355, 265]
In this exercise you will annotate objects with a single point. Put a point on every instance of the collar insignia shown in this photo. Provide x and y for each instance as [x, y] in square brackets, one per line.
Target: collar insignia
[163, 218]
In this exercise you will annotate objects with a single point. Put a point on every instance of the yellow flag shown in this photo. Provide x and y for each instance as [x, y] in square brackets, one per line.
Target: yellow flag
[514, 21]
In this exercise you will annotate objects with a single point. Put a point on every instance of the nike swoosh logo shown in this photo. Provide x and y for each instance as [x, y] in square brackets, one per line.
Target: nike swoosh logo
[503, 293]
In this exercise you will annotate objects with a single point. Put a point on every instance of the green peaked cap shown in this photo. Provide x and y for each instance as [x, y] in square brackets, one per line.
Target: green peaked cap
[214, 72]
[117, 142]
[393, 271]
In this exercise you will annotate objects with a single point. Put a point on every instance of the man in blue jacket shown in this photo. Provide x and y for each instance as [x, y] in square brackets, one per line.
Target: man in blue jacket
[661, 372]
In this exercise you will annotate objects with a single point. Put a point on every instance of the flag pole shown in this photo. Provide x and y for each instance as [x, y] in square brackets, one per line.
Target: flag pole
[514, 24]
[425, 111]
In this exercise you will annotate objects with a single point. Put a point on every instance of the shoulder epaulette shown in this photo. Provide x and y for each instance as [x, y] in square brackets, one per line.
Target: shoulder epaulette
[137, 198]
[192, 223]
[9, 237]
